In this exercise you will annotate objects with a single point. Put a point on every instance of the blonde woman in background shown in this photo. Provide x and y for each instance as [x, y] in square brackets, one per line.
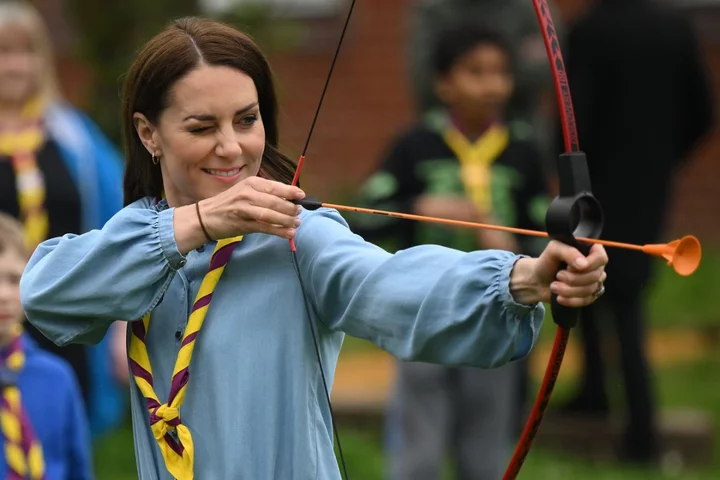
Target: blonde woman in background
[58, 175]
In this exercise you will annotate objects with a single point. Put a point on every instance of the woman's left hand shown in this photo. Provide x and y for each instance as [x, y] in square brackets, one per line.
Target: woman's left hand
[581, 283]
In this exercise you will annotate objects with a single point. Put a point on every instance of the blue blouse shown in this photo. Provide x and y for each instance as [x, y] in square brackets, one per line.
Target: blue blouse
[255, 402]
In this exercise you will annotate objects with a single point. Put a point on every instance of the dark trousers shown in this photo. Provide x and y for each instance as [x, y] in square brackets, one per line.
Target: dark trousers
[623, 315]
[461, 414]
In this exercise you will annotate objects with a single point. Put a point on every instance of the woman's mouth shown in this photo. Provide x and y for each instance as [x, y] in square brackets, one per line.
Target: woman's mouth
[224, 174]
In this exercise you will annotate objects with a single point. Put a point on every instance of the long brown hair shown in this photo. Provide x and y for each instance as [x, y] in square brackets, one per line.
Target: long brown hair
[170, 55]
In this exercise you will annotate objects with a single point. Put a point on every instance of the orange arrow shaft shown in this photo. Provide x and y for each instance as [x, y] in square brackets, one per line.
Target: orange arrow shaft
[460, 223]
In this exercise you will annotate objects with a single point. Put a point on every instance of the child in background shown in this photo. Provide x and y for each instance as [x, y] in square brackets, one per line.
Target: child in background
[45, 431]
[461, 162]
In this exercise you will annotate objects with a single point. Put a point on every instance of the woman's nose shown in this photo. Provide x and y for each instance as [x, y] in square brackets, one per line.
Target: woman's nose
[228, 144]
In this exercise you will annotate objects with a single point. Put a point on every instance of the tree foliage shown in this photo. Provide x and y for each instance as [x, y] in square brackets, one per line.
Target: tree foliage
[109, 35]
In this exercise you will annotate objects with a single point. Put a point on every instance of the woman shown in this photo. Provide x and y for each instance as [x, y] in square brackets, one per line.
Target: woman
[58, 174]
[201, 136]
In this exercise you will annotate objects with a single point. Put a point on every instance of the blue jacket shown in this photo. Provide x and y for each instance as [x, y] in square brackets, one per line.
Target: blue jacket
[97, 168]
[51, 396]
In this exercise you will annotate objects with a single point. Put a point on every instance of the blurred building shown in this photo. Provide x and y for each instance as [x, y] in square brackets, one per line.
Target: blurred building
[368, 100]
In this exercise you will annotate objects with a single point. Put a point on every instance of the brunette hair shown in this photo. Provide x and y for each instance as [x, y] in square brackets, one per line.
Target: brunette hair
[178, 49]
[458, 39]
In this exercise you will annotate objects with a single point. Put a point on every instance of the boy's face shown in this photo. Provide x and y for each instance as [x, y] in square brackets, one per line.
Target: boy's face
[12, 265]
[479, 85]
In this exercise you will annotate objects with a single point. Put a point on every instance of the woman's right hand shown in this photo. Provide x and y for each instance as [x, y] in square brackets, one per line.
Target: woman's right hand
[253, 205]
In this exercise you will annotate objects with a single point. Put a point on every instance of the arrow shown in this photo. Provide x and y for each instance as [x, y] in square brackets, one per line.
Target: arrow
[683, 255]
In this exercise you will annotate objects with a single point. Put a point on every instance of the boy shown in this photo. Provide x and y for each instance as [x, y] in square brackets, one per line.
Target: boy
[460, 162]
[44, 428]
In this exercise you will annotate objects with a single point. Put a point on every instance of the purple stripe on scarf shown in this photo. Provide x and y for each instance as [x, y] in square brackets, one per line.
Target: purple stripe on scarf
[27, 438]
[174, 422]
[151, 404]
[222, 256]
[27, 432]
[201, 302]
[179, 380]
[139, 371]
[153, 419]
[14, 347]
[138, 329]
[189, 339]
[12, 474]
[177, 447]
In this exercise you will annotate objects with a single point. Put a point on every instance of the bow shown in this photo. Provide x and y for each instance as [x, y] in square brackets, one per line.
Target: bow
[574, 217]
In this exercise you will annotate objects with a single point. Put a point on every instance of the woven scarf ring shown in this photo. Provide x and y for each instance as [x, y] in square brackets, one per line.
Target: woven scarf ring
[574, 212]
[23, 453]
[21, 144]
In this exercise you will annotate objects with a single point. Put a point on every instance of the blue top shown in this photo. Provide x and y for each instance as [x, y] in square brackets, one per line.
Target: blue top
[255, 402]
[51, 397]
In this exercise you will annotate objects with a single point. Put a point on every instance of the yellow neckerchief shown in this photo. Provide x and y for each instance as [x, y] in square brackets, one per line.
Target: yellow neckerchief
[173, 438]
[23, 453]
[21, 145]
[476, 159]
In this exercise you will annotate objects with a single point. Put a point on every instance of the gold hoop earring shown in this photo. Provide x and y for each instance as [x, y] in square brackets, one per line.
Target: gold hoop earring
[155, 159]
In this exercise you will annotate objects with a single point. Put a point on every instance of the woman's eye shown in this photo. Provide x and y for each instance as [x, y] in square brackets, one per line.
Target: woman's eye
[199, 130]
[248, 119]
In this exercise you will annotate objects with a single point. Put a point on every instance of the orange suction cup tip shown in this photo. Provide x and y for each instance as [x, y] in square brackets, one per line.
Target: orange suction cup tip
[683, 255]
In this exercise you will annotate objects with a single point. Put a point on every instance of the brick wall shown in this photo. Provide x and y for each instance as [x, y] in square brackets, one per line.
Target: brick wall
[367, 99]
[697, 200]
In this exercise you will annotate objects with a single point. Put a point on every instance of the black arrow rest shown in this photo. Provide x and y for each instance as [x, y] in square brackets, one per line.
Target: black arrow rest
[574, 212]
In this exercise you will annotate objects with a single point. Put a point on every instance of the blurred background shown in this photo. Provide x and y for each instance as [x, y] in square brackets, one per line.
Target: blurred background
[376, 93]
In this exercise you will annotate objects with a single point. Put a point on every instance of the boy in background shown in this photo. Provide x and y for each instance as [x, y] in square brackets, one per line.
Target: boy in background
[462, 162]
[45, 431]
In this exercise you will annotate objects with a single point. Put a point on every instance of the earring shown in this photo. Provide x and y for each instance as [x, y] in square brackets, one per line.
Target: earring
[155, 160]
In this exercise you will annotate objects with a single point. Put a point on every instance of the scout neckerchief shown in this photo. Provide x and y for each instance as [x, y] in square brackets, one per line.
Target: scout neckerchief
[21, 144]
[476, 159]
[23, 453]
[172, 435]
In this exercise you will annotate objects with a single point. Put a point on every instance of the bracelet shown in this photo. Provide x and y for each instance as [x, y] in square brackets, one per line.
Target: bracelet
[202, 225]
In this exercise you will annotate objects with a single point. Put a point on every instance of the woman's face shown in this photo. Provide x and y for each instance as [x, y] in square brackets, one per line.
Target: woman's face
[209, 137]
[20, 66]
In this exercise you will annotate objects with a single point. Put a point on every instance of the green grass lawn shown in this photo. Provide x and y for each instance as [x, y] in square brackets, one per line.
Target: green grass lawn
[676, 301]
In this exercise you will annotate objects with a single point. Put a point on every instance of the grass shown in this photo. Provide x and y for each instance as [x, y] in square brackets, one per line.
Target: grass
[676, 301]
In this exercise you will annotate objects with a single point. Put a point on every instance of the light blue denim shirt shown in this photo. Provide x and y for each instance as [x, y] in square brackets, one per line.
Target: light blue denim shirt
[255, 402]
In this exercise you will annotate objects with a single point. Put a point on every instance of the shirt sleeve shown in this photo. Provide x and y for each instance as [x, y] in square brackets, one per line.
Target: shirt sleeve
[427, 303]
[75, 286]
